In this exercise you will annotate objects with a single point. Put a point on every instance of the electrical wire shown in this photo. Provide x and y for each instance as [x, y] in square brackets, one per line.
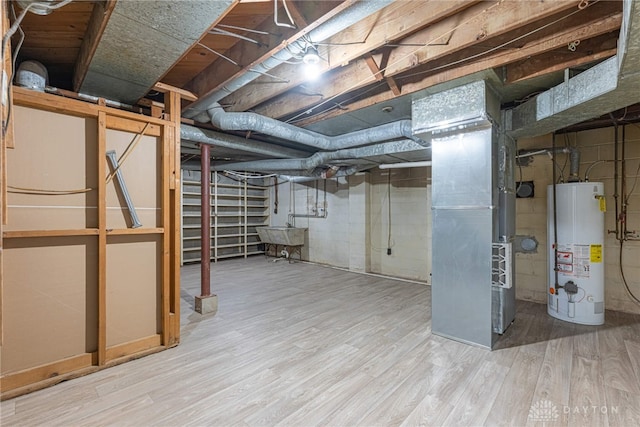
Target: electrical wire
[233, 27]
[5, 39]
[432, 42]
[221, 32]
[286, 9]
[5, 124]
[41, 192]
[219, 54]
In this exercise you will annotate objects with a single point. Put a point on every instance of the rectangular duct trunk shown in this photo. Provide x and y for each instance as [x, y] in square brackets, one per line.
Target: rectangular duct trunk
[466, 177]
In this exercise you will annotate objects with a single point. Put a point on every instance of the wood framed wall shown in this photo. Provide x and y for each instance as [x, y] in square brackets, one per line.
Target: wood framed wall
[82, 289]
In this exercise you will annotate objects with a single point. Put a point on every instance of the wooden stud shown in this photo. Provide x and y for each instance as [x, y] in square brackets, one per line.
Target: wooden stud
[103, 357]
[49, 233]
[165, 168]
[133, 126]
[102, 237]
[135, 231]
[172, 100]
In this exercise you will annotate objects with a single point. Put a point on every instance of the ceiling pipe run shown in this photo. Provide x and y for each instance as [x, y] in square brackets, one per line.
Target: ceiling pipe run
[358, 11]
[611, 85]
[323, 158]
[268, 126]
[426, 163]
[205, 136]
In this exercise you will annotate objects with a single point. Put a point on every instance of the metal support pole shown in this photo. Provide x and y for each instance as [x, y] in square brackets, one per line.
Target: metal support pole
[205, 221]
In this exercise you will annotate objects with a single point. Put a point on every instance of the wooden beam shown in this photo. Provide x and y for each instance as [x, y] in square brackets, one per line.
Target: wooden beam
[33, 375]
[184, 94]
[392, 23]
[97, 23]
[101, 171]
[134, 231]
[221, 72]
[378, 75]
[492, 61]
[373, 66]
[20, 234]
[172, 100]
[587, 51]
[393, 85]
[60, 104]
[357, 74]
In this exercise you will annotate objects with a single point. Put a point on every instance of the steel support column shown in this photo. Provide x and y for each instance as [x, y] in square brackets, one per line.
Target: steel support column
[205, 221]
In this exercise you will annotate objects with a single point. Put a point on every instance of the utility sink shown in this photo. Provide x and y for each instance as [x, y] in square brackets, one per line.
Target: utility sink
[288, 236]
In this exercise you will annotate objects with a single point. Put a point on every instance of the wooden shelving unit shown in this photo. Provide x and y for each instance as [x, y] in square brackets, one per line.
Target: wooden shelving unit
[237, 208]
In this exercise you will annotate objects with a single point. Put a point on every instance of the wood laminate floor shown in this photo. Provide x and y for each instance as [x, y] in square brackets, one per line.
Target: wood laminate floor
[303, 345]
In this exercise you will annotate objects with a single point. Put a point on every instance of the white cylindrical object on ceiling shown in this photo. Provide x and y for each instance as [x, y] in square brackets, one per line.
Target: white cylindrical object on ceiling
[32, 75]
[580, 215]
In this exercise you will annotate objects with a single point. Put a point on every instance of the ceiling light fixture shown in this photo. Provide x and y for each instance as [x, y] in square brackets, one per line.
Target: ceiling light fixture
[311, 56]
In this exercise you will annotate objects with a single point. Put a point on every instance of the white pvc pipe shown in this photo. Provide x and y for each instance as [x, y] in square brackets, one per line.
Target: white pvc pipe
[423, 164]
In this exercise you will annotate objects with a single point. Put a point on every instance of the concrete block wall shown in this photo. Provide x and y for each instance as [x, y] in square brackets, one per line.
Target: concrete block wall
[410, 242]
[531, 214]
[354, 234]
[327, 239]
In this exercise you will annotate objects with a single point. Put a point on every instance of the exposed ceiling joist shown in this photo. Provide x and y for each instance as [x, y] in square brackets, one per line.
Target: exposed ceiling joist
[585, 52]
[584, 25]
[220, 72]
[392, 23]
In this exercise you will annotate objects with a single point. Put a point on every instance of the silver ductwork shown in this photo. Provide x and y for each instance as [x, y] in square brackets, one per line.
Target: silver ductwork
[611, 85]
[311, 163]
[574, 165]
[358, 11]
[205, 136]
[268, 126]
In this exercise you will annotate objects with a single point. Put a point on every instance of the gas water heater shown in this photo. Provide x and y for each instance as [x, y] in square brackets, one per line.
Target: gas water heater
[577, 295]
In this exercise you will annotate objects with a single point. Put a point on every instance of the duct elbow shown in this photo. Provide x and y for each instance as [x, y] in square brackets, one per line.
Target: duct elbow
[216, 113]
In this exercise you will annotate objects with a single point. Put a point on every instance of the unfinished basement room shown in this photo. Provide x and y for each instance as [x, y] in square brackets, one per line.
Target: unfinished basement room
[320, 213]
